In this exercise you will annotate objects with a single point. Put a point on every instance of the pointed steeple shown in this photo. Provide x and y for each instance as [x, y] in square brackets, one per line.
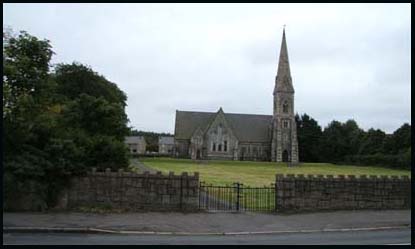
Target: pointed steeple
[283, 82]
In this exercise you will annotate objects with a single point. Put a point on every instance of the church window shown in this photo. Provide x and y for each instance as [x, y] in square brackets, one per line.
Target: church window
[286, 124]
[225, 145]
[285, 107]
[219, 147]
[214, 147]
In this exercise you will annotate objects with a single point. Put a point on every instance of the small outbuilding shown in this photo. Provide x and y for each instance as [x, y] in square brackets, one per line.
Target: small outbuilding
[136, 144]
[166, 145]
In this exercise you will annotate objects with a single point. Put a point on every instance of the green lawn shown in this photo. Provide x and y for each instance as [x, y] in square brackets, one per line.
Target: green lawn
[257, 173]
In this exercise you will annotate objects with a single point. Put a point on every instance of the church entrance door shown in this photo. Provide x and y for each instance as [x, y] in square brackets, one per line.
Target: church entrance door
[198, 154]
[285, 156]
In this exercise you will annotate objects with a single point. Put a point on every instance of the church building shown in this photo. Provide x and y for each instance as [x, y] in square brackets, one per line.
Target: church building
[220, 135]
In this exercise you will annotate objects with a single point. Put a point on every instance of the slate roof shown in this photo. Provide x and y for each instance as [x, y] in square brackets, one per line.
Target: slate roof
[134, 139]
[166, 140]
[246, 127]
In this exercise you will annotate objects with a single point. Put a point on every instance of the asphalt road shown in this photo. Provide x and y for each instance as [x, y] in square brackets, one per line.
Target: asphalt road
[395, 236]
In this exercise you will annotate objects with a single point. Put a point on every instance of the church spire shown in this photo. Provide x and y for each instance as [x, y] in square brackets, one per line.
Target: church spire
[283, 82]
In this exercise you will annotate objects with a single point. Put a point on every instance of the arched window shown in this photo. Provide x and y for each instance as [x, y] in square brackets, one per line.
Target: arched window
[285, 107]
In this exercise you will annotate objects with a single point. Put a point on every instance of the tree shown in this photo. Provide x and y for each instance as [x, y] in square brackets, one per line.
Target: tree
[372, 142]
[333, 145]
[27, 125]
[309, 134]
[95, 115]
[401, 139]
[339, 140]
[76, 79]
[56, 125]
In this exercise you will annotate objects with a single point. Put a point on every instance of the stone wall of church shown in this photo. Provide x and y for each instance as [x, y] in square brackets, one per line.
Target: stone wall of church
[254, 151]
[181, 148]
[220, 141]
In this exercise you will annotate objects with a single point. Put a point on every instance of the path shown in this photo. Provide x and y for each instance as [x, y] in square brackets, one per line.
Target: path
[141, 167]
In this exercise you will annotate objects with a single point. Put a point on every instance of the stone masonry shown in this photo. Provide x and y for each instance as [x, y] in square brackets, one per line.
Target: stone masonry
[132, 191]
[296, 193]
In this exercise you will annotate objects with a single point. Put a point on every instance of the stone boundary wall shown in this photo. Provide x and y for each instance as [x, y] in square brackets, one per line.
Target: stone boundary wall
[296, 193]
[132, 191]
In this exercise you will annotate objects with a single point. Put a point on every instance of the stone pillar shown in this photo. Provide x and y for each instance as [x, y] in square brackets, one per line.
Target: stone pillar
[279, 144]
[294, 143]
[274, 141]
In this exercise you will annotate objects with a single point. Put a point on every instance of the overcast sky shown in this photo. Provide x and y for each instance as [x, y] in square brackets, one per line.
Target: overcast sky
[348, 61]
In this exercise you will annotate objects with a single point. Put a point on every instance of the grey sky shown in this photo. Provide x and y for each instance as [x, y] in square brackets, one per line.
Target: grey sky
[347, 60]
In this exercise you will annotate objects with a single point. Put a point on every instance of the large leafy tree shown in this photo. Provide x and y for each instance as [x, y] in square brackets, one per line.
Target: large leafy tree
[76, 79]
[26, 66]
[339, 140]
[56, 125]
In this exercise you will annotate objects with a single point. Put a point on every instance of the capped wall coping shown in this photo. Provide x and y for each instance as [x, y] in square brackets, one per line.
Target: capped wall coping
[121, 172]
[345, 177]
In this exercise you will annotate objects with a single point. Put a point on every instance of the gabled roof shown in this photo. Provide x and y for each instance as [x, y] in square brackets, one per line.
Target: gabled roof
[246, 127]
[166, 140]
[134, 139]
[188, 122]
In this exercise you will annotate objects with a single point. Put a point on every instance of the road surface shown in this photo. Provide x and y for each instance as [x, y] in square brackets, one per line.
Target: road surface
[394, 236]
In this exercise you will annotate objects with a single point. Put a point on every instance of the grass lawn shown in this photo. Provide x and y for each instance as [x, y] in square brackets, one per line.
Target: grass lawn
[257, 173]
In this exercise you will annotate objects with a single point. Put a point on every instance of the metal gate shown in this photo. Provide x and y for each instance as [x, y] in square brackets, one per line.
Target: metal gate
[236, 198]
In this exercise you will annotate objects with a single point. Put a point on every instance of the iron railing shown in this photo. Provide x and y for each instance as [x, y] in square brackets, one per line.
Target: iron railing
[237, 197]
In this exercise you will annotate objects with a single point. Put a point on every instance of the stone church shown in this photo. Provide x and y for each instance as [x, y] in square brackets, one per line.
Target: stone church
[220, 135]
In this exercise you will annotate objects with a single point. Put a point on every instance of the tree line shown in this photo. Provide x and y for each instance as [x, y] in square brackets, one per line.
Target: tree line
[346, 143]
